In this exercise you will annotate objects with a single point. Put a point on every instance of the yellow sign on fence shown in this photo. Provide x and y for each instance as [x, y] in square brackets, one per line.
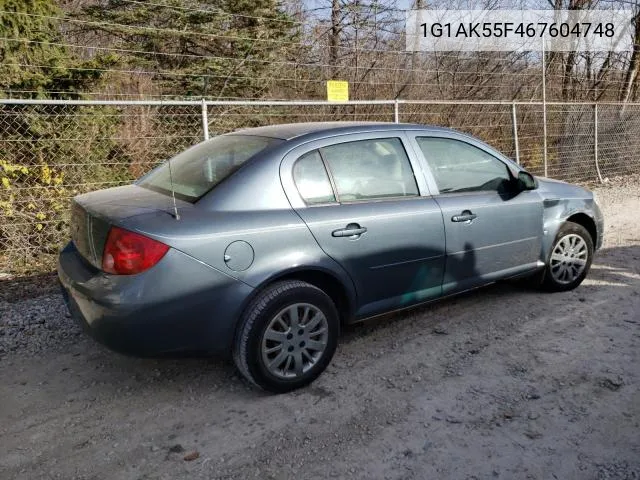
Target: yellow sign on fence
[337, 91]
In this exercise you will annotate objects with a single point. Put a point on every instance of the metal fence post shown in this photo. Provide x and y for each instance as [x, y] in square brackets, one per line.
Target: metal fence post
[514, 121]
[205, 120]
[544, 111]
[595, 141]
[396, 111]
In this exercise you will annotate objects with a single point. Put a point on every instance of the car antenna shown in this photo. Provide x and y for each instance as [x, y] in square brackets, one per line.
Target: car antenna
[173, 193]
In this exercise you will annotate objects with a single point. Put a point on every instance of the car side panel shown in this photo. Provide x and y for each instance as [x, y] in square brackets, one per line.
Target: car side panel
[252, 247]
[503, 240]
[178, 305]
[556, 213]
[561, 201]
[399, 260]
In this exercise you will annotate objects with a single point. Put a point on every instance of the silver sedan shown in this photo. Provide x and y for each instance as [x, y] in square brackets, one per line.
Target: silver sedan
[260, 244]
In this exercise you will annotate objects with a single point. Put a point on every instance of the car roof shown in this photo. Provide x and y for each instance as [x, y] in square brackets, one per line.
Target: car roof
[288, 131]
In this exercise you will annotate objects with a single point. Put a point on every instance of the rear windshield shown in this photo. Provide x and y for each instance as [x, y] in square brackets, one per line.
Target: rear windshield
[197, 170]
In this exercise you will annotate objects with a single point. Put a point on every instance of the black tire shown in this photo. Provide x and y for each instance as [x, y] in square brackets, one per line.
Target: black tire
[552, 284]
[247, 350]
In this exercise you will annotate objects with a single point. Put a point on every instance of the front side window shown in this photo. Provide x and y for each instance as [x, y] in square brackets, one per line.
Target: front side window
[460, 167]
[370, 169]
[197, 170]
[312, 180]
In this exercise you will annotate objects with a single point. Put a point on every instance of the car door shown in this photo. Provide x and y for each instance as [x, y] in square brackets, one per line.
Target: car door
[492, 230]
[370, 210]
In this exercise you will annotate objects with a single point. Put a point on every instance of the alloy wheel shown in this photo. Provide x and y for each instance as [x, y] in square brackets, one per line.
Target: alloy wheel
[569, 258]
[294, 341]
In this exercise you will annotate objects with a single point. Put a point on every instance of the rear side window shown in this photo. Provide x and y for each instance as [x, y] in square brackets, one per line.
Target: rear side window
[460, 167]
[197, 170]
[312, 180]
[370, 169]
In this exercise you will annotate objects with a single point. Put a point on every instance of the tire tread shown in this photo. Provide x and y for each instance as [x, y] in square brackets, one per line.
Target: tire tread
[548, 283]
[249, 317]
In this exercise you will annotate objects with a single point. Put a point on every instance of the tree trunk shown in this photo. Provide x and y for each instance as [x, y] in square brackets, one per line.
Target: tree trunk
[632, 72]
[334, 37]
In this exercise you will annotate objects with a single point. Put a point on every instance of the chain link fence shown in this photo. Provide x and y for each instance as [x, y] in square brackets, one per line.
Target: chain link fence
[51, 151]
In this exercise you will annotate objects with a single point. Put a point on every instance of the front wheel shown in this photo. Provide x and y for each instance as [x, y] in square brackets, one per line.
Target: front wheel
[287, 336]
[570, 258]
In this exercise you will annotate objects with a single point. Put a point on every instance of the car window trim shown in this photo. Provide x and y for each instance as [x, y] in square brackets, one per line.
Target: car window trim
[374, 199]
[472, 192]
[333, 188]
[382, 199]
[332, 181]
[427, 164]
[289, 157]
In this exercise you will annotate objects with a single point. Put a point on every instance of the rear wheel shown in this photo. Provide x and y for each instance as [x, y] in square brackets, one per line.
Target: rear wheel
[287, 336]
[570, 258]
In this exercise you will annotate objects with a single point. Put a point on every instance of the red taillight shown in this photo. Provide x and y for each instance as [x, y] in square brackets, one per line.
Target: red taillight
[127, 253]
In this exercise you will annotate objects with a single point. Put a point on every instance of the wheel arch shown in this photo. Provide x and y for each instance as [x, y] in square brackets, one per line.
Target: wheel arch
[343, 296]
[558, 215]
[588, 223]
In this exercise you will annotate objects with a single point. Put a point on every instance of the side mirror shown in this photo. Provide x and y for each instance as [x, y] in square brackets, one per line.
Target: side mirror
[526, 181]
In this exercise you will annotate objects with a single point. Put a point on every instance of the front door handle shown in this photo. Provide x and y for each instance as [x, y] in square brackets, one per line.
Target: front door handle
[465, 216]
[351, 230]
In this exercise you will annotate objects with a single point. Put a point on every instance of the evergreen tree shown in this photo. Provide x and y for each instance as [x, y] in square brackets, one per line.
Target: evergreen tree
[218, 48]
[33, 60]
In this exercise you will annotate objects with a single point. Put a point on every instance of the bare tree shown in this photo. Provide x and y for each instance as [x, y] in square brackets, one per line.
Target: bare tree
[631, 75]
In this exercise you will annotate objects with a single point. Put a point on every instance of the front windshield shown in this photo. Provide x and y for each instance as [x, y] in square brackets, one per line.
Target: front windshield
[197, 170]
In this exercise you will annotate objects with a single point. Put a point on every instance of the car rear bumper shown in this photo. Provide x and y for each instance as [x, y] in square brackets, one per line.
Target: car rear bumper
[179, 305]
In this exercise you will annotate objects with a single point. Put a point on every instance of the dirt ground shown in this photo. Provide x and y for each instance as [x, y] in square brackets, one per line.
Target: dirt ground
[504, 382]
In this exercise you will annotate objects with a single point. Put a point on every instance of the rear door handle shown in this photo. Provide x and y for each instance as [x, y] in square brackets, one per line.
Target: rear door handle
[351, 230]
[465, 216]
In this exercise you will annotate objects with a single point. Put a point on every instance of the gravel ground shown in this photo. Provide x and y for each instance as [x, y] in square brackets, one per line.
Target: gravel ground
[504, 382]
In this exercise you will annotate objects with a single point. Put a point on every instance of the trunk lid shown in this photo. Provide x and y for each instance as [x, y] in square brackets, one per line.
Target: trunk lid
[93, 214]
